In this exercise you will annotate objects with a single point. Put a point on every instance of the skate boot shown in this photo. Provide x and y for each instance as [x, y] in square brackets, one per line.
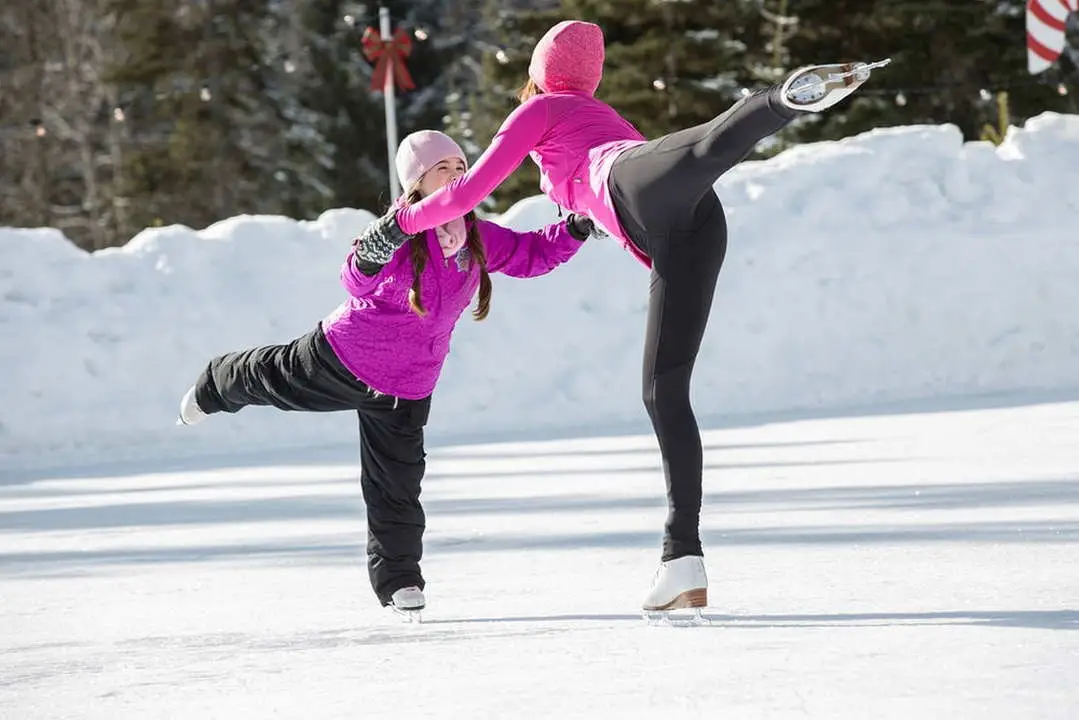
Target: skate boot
[409, 602]
[818, 87]
[190, 412]
[678, 584]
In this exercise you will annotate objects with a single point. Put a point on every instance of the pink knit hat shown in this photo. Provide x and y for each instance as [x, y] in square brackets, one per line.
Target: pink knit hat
[421, 151]
[569, 57]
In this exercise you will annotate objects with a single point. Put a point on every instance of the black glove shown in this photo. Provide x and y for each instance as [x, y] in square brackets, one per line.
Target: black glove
[380, 240]
[580, 226]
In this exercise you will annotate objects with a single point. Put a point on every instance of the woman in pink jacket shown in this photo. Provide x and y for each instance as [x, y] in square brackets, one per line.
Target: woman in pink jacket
[656, 198]
[380, 353]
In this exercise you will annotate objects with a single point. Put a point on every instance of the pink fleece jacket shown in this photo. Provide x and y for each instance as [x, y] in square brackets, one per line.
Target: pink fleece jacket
[377, 336]
[573, 138]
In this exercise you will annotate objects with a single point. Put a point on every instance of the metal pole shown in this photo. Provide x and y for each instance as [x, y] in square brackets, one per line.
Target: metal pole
[391, 105]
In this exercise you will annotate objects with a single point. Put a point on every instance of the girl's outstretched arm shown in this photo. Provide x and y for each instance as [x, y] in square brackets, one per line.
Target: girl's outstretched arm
[528, 254]
[520, 132]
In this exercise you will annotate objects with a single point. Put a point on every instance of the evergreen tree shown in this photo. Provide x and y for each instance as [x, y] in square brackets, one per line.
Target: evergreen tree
[193, 111]
[504, 70]
[343, 112]
[194, 82]
[58, 145]
[261, 106]
[674, 64]
[467, 28]
[339, 110]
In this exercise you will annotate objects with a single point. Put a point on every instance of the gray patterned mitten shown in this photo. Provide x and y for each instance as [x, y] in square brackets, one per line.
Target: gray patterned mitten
[380, 240]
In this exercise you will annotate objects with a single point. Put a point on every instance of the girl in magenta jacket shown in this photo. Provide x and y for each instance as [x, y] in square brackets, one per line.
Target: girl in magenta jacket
[656, 198]
[380, 353]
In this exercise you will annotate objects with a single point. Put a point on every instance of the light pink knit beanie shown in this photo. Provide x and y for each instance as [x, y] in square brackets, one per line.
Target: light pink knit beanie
[421, 151]
[569, 57]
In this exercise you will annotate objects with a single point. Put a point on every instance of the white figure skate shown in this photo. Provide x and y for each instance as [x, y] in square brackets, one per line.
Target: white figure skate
[818, 87]
[678, 584]
[190, 412]
[409, 602]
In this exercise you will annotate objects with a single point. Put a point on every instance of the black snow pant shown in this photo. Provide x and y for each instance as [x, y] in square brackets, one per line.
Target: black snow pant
[306, 374]
[663, 196]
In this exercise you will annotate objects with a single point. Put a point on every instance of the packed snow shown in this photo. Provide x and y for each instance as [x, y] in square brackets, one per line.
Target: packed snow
[898, 265]
[890, 393]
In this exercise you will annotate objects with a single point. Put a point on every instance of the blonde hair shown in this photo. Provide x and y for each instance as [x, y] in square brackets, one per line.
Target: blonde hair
[529, 90]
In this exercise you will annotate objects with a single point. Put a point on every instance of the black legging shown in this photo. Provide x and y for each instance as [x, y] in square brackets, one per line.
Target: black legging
[663, 195]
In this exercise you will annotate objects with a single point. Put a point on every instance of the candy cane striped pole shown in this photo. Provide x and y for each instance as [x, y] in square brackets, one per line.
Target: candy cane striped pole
[1046, 20]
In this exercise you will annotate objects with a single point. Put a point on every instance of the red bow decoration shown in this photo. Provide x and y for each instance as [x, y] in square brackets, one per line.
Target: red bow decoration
[382, 52]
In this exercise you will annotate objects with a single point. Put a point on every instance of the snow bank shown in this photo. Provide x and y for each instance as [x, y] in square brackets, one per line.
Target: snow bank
[899, 264]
